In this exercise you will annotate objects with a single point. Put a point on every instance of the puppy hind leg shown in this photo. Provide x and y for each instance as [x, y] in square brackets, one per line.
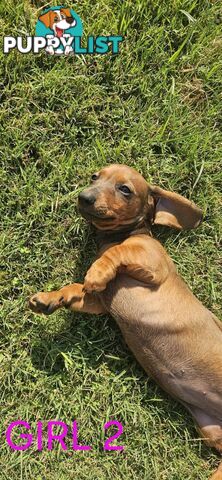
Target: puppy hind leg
[218, 474]
[210, 429]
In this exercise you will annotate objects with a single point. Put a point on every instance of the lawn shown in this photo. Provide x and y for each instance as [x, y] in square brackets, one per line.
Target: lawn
[157, 107]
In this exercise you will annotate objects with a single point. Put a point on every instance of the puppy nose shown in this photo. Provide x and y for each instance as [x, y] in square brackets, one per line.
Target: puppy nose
[87, 198]
[69, 19]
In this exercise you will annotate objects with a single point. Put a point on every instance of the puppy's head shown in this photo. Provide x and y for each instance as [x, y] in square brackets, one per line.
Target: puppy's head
[58, 20]
[119, 197]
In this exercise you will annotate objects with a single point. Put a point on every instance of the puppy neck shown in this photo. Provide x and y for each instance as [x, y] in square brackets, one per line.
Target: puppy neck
[106, 238]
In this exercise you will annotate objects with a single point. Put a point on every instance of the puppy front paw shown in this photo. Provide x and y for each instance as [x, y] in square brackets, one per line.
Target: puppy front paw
[45, 302]
[93, 283]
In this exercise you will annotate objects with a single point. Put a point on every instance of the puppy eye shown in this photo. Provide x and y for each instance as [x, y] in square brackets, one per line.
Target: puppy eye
[63, 16]
[56, 19]
[94, 176]
[125, 190]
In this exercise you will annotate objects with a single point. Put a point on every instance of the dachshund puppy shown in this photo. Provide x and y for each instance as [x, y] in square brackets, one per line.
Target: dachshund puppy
[174, 337]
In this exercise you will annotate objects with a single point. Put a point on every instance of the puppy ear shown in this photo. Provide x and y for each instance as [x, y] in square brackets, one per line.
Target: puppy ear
[173, 210]
[45, 18]
[66, 11]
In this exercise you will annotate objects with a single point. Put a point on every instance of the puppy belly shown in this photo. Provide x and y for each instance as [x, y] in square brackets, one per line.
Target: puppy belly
[187, 367]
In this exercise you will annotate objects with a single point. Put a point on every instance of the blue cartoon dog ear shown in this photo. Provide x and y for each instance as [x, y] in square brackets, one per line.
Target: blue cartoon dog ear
[45, 18]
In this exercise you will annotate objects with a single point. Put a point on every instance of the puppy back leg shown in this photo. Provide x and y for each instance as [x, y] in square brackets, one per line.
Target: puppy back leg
[210, 429]
[218, 474]
[71, 296]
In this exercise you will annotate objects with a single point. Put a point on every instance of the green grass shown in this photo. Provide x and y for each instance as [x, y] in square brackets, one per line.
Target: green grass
[157, 107]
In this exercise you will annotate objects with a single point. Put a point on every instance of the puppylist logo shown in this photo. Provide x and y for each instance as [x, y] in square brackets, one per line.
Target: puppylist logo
[59, 31]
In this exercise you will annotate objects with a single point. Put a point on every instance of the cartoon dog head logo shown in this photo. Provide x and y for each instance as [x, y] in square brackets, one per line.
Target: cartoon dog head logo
[58, 21]
[59, 31]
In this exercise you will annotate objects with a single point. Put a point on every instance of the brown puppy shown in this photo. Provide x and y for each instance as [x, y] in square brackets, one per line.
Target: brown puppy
[173, 336]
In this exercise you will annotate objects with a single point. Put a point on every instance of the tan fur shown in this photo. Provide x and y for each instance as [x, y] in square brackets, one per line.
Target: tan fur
[173, 336]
